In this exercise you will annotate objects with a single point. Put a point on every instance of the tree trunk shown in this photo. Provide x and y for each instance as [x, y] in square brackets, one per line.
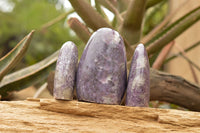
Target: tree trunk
[49, 115]
[174, 89]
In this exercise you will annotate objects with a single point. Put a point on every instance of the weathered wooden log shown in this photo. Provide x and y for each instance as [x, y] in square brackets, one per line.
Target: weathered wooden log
[49, 115]
[174, 89]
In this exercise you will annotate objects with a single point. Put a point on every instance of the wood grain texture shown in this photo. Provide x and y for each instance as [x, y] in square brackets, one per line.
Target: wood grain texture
[49, 115]
[174, 89]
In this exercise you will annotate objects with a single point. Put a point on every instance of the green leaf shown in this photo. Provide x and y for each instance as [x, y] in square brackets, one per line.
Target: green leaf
[155, 17]
[10, 60]
[179, 54]
[132, 25]
[172, 31]
[89, 15]
[151, 3]
[80, 29]
[107, 4]
[100, 10]
[28, 76]
[122, 5]
[56, 20]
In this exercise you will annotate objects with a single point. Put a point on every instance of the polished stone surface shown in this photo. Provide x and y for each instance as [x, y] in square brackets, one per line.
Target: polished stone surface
[138, 89]
[65, 72]
[101, 75]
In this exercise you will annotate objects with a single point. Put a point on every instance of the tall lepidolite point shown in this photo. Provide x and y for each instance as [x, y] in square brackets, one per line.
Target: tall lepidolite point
[138, 89]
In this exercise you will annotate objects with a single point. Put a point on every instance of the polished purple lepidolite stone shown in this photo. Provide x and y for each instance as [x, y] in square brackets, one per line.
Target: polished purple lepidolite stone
[138, 90]
[101, 75]
[64, 79]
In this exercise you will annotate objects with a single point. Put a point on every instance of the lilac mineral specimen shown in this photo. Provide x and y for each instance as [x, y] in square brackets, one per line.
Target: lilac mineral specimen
[101, 75]
[138, 90]
[64, 79]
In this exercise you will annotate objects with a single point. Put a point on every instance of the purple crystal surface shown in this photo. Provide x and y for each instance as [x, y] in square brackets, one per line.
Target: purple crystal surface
[101, 75]
[65, 72]
[138, 90]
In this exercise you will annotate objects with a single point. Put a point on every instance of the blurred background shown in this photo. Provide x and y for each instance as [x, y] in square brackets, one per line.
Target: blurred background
[19, 17]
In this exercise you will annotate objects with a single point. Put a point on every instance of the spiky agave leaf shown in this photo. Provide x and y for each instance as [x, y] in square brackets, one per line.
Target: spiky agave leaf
[132, 24]
[172, 31]
[10, 60]
[90, 16]
[27, 76]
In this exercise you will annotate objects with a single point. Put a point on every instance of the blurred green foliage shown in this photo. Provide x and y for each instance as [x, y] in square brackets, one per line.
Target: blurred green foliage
[28, 15]
[154, 16]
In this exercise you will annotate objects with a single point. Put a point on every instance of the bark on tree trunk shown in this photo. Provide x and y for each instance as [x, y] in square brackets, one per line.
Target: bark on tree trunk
[174, 89]
[49, 115]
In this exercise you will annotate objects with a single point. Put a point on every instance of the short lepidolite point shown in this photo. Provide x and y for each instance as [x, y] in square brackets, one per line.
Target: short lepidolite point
[65, 72]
